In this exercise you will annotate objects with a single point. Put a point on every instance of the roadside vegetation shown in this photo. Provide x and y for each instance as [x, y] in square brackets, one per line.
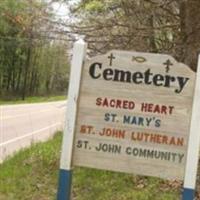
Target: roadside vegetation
[167, 26]
[38, 176]
[35, 41]
[33, 52]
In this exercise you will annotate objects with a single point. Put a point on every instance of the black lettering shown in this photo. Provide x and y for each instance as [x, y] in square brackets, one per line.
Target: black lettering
[147, 75]
[122, 76]
[168, 80]
[92, 70]
[107, 74]
[182, 82]
[137, 77]
[158, 80]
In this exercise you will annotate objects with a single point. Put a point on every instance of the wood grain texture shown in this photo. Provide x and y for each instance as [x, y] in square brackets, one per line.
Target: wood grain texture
[116, 154]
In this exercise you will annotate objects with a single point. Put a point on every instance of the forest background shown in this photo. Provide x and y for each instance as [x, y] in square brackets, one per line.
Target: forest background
[35, 43]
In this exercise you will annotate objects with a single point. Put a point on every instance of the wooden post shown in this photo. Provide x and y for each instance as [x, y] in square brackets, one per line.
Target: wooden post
[194, 143]
[65, 175]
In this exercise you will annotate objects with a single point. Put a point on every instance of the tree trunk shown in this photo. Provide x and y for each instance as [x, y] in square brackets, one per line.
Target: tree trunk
[192, 30]
[27, 66]
[9, 80]
[19, 80]
[153, 47]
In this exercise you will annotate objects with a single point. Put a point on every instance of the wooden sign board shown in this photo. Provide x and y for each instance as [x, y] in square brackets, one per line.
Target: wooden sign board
[131, 112]
[134, 114]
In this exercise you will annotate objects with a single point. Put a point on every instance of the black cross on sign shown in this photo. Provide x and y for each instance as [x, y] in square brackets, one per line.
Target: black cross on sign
[111, 57]
[168, 63]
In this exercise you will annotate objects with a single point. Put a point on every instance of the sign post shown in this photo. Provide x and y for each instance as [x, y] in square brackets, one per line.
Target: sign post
[65, 175]
[132, 112]
[194, 143]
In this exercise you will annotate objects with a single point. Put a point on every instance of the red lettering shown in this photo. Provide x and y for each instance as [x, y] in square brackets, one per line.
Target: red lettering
[144, 107]
[98, 101]
[171, 108]
[105, 102]
[157, 109]
[115, 103]
[150, 107]
[164, 110]
[112, 103]
[118, 104]
[131, 105]
[125, 104]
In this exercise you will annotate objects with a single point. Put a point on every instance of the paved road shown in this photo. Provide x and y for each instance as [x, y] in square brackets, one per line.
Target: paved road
[20, 125]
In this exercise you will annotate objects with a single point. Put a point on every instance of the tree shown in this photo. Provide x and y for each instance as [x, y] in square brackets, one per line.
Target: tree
[170, 26]
[191, 31]
[27, 46]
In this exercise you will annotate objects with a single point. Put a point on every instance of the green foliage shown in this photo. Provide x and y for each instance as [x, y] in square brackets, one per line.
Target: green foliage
[146, 26]
[31, 63]
[95, 6]
[92, 184]
[33, 174]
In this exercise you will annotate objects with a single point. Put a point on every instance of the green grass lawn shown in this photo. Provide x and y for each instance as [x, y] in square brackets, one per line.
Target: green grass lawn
[32, 174]
[34, 100]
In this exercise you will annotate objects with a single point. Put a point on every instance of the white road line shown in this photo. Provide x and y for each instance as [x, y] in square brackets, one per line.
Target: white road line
[27, 135]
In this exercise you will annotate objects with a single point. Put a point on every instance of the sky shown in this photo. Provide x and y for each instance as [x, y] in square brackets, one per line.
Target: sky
[61, 9]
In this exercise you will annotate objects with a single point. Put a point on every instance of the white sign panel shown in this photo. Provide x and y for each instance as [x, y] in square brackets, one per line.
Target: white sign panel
[134, 114]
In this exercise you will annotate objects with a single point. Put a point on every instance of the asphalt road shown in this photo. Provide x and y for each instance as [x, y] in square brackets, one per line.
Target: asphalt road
[21, 125]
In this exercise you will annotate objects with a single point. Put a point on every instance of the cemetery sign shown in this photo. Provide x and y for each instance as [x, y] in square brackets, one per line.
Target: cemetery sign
[132, 112]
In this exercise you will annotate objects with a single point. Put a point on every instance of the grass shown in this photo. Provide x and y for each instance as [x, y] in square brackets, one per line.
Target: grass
[34, 100]
[32, 174]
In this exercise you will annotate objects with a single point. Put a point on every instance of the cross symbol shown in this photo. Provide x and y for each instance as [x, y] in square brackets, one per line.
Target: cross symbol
[168, 63]
[111, 57]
